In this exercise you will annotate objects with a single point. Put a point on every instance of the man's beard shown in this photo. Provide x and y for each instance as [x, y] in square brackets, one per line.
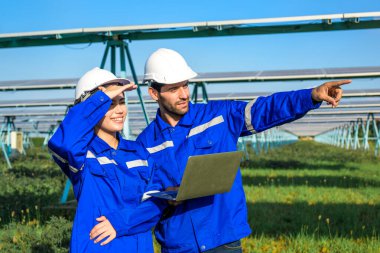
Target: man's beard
[171, 110]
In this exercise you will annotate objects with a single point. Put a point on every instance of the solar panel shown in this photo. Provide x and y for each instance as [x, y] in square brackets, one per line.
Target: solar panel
[47, 112]
[36, 102]
[216, 77]
[31, 113]
[35, 119]
[192, 29]
[351, 70]
[38, 84]
[344, 112]
[308, 130]
[251, 95]
[296, 72]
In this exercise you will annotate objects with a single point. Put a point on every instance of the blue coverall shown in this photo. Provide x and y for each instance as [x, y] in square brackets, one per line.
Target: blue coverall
[205, 223]
[103, 179]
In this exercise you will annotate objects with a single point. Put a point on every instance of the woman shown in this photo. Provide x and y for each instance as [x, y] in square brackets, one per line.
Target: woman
[107, 172]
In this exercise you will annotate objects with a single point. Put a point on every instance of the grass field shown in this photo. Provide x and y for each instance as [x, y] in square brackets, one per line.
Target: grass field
[309, 197]
[305, 197]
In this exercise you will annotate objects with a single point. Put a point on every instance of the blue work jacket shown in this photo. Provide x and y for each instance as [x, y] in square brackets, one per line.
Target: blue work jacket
[204, 223]
[103, 179]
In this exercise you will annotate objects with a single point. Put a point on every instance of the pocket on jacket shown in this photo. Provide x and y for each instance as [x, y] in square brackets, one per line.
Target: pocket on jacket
[101, 171]
[205, 141]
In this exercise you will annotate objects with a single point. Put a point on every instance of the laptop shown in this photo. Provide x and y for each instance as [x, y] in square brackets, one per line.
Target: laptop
[205, 175]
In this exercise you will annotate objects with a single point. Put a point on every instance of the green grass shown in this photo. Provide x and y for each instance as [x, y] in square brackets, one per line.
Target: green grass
[309, 197]
[37, 141]
[304, 197]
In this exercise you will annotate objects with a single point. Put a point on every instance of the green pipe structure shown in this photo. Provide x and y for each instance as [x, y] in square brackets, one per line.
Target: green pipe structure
[203, 29]
[65, 193]
[135, 79]
[264, 141]
[5, 138]
[26, 141]
[124, 51]
[50, 133]
[242, 145]
[359, 134]
[194, 96]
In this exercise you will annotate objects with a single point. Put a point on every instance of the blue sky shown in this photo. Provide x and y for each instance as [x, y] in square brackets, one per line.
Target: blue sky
[242, 53]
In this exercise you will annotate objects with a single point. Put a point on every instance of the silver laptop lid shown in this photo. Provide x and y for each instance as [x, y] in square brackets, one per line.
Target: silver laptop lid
[209, 174]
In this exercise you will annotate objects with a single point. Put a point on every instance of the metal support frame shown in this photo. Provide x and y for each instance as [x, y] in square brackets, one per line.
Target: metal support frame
[66, 191]
[50, 133]
[300, 24]
[194, 96]
[357, 134]
[242, 145]
[264, 141]
[5, 137]
[26, 141]
[124, 51]
[134, 75]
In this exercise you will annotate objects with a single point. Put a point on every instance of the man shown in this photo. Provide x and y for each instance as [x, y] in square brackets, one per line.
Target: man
[181, 129]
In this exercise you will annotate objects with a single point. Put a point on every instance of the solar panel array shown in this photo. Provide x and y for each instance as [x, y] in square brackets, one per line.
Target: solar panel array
[329, 22]
[217, 77]
[38, 115]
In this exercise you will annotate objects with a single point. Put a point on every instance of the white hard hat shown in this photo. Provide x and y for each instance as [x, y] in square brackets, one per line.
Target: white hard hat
[166, 66]
[95, 78]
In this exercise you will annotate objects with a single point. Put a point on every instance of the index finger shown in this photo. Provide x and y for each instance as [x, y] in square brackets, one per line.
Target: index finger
[114, 90]
[130, 86]
[121, 88]
[338, 83]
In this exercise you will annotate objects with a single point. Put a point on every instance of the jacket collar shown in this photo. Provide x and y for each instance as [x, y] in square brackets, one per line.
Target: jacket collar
[101, 146]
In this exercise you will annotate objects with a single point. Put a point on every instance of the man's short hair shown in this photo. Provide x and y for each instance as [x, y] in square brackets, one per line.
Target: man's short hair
[156, 86]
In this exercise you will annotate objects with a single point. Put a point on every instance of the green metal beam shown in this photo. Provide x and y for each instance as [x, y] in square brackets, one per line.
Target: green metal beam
[104, 59]
[51, 41]
[194, 96]
[135, 79]
[256, 30]
[181, 32]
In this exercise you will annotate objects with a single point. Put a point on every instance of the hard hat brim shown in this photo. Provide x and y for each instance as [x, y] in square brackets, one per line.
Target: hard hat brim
[119, 81]
[190, 74]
